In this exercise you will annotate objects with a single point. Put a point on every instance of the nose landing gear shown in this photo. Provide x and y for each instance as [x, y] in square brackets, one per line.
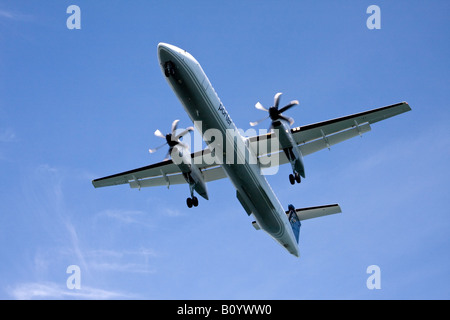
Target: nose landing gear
[169, 69]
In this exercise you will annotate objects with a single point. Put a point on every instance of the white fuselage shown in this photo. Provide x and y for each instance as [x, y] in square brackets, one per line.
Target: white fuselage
[202, 104]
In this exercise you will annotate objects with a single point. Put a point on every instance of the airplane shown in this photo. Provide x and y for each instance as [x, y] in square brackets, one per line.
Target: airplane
[200, 101]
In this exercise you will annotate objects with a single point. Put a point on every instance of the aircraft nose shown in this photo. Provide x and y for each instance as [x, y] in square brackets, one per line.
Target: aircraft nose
[163, 46]
[166, 51]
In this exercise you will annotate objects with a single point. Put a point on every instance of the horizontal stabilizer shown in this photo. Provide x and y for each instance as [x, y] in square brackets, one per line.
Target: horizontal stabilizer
[315, 212]
[311, 212]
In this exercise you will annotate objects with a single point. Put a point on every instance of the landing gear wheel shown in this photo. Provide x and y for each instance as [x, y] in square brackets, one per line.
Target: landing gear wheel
[291, 179]
[297, 177]
[192, 202]
[169, 69]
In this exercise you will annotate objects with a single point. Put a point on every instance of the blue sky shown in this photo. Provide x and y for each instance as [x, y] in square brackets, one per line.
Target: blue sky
[80, 104]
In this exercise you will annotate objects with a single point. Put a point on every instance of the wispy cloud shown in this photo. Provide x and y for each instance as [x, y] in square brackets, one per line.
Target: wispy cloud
[50, 290]
[123, 216]
[123, 267]
[172, 212]
[6, 14]
[45, 195]
[137, 261]
[417, 148]
[7, 135]
[11, 22]
[11, 15]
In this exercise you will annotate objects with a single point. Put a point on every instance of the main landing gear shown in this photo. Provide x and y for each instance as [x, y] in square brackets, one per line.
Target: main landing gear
[192, 202]
[293, 178]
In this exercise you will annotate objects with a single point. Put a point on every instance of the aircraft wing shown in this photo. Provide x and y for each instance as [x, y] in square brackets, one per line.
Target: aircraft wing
[310, 138]
[162, 173]
[314, 137]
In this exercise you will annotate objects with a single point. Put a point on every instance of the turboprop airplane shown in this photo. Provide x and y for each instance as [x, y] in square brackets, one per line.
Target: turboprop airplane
[203, 106]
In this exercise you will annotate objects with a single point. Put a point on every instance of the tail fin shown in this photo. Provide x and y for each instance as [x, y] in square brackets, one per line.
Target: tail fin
[294, 221]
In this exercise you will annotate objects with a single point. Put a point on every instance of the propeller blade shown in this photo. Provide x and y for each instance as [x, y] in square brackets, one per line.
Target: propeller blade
[167, 155]
[184, 132]
[157, 148]
[259, 106]
[290, 105]
[174, 127]
[258, 122]
[277, 99]
[159, 134]
[290, 120]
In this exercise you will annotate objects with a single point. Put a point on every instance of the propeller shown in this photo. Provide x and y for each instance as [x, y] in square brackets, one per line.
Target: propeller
[172, 139]
[274, 112]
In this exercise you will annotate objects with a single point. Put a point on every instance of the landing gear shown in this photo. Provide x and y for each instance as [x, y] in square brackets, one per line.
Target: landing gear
[192, 202]
[293, 178]
[169, 69]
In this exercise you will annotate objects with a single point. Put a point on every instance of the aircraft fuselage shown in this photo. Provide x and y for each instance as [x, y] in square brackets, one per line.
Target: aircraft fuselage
[202, 104]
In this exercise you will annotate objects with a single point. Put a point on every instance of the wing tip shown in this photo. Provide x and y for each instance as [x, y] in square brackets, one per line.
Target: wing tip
[406, 104]
[94, 183]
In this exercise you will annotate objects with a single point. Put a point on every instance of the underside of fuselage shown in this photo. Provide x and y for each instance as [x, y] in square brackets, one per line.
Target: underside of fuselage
[202, 104]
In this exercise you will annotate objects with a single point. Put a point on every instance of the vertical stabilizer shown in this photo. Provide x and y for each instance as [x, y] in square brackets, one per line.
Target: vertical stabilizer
[294, 221]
